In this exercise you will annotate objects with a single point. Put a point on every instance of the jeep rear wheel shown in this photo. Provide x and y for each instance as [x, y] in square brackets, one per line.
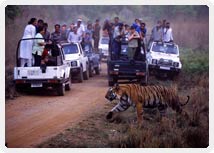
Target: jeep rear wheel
[91, 70]
[97, 70]
[68, 85]
[61, 89]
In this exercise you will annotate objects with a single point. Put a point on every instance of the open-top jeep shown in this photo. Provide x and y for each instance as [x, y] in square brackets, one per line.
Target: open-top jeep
[164, 59]
[55, 74]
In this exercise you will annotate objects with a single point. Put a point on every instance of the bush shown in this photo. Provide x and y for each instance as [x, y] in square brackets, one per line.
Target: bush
[194, 61]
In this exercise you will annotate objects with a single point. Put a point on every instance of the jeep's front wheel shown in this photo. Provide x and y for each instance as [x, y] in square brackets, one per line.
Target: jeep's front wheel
[86, 73]
[80, 76]
[91, 70]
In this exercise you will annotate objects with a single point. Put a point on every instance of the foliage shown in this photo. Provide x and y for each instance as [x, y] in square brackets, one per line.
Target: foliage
[11, 12]
[195, 61]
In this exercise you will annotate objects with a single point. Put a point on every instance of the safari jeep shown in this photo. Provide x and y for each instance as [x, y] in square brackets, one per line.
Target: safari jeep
[78, 59]
[164, 59]
[55, 74]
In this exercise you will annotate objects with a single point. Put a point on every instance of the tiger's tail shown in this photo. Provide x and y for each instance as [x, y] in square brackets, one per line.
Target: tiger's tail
[186, 101]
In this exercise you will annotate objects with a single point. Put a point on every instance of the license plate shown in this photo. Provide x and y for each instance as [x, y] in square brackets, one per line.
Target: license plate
[33, 72]
[164, 68]
[36, 85]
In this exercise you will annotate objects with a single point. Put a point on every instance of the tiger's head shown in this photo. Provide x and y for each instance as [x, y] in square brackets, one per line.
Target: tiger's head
[113, 93]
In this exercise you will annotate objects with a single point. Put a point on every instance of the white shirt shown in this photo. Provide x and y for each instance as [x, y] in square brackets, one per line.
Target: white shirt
[72, 37]
[167, 34]
[26, 46]
[36, 47]
[81, 30]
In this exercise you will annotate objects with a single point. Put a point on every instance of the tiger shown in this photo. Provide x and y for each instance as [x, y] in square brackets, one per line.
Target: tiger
[139, 97]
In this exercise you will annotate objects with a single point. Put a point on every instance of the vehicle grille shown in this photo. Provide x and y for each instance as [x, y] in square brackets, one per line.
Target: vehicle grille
[164, 62]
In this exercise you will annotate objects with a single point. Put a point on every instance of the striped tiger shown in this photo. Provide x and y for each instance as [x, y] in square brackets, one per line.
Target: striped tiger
[143, 97]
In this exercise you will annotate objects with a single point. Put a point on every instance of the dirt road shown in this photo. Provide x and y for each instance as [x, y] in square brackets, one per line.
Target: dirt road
[32, 118]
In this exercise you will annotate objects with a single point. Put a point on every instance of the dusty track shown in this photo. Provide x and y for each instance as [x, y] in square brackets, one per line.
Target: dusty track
[34, 117]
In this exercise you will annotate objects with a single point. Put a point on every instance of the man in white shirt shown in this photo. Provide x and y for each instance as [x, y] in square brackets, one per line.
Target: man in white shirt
[25, 51]
[73, 36]
[167, 33]
[80, 28]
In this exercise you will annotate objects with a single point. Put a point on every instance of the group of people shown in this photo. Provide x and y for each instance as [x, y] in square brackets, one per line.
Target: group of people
[84, 34]
[34, 49]
[136, 36]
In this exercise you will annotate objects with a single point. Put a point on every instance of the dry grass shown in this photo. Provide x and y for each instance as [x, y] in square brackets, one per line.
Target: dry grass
[171, 131]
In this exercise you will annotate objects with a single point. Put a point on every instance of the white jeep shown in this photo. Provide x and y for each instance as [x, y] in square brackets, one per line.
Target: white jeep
[78, 59]
[164, 59]
[55, 74]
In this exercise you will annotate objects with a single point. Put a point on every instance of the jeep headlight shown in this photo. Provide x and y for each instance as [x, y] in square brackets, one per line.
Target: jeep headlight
[175, 64]
[154, 61]
[74, 63]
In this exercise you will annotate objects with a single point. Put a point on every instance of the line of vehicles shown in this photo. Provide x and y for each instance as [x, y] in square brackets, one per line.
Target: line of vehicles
[161, 59]
[69, 61]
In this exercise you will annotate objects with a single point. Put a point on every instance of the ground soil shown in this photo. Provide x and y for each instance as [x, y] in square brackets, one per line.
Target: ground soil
[39, 114]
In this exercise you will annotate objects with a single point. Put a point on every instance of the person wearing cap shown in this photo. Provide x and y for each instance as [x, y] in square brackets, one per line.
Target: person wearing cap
[96, 34]
[80, 28]
[132, 42]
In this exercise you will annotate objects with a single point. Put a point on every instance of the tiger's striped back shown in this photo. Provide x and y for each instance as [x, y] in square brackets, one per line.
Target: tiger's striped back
[144, 96]
[151, 96]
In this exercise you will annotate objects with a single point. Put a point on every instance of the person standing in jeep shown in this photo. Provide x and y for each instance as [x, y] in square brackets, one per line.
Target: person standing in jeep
[167, 33]
[25, 53]
[118, 34]
[96, 35]
[56, 35]
[157, 32]
[132, 42]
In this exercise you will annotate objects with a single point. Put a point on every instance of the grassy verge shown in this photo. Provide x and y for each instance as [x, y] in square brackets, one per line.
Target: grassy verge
[194, 61]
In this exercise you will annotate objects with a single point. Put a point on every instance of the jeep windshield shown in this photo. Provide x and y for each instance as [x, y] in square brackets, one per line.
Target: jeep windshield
[70, 49]
[165, 48]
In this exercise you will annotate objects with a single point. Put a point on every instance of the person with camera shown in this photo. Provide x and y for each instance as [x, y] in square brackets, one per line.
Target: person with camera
[132, 42]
